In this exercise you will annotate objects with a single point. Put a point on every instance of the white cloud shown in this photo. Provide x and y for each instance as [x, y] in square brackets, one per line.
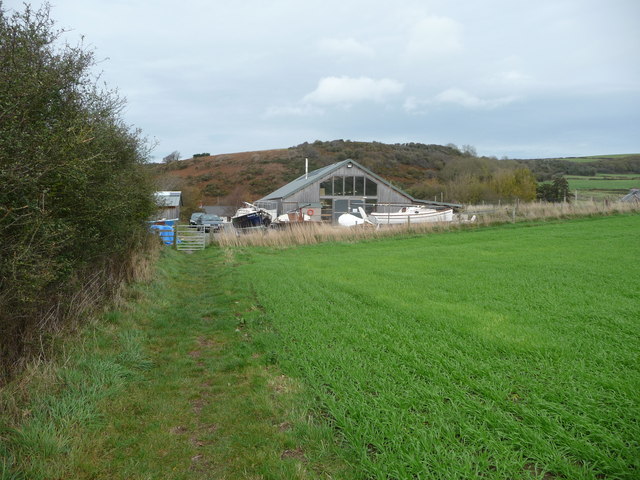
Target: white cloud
[512, 78]
[347, 90]
[456, 96]
[244, 62]
[465, 99]
[413, 104]
[434, 36]
[345, 47]
[304, 110]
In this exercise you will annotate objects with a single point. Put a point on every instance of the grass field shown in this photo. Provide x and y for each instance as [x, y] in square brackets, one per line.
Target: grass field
[621, 183]
[595, 158]
[494, 352]
[500, 353]
[603, 186]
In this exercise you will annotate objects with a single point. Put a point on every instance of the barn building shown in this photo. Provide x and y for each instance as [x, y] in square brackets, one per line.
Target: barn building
[169, 203]
[342, 187]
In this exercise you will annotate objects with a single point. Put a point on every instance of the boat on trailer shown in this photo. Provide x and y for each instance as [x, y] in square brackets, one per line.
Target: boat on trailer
[413, 214]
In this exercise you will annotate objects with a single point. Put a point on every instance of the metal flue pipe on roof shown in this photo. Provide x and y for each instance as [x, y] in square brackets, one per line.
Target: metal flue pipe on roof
[306, 168]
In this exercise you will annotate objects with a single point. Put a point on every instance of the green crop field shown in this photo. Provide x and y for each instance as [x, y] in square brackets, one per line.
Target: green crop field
[495, 353]
[610, 183]
[603, 186]
[506, 352]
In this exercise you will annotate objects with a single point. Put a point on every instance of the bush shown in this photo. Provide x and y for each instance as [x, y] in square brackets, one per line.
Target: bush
[74, 197]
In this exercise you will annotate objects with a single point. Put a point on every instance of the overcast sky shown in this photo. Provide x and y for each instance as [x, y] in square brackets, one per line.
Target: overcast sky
[513, 78]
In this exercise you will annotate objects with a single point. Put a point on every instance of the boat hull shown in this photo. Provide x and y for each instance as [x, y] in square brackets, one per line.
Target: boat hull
[251, 220]
[399, 218]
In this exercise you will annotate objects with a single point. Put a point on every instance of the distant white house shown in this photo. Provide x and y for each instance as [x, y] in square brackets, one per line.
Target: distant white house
[169, 203]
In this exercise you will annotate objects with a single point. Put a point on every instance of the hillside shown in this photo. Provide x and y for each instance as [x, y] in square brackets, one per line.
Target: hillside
[546, 168]
[254, 174]
[422, 170]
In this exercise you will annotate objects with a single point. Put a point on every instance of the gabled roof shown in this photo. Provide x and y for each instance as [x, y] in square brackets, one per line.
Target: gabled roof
[168, 198]
[308, 179]
[305, 180]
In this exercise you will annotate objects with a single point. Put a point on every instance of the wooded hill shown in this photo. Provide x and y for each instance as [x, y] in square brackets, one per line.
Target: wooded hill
[425, 171]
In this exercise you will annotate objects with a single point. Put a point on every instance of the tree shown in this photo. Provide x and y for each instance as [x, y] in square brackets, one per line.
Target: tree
[556, 191]
[172, 157]
[561, 186]
[469, 151]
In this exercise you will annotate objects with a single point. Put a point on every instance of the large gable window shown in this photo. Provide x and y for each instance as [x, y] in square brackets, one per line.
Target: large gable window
[353, 186]
[348, 186]
[338, 185]
[371, 189]
[326, 187]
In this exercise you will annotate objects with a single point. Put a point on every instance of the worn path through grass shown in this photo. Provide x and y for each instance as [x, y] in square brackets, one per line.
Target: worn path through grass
[192, 396]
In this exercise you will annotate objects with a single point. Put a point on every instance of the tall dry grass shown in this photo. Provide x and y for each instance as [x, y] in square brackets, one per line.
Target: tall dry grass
[312, 233]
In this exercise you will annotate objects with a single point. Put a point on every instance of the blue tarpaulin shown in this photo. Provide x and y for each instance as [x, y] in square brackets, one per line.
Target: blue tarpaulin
[165, 232]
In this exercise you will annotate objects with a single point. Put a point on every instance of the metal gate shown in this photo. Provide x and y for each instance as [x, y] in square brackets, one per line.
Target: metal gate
[189, 238]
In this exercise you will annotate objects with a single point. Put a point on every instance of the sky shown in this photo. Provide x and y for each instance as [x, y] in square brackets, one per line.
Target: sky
[512, 78]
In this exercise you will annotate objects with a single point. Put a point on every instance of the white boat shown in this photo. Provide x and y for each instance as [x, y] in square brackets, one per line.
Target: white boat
[413, 214]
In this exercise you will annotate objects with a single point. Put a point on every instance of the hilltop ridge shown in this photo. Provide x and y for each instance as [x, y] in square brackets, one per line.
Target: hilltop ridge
[424, 171]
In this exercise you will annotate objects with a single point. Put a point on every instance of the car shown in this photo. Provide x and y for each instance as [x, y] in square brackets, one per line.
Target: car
[194, 218]
[210, 222]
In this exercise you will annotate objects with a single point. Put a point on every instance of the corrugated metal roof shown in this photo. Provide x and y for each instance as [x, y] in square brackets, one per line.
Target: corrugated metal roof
[168, 198]
[632, 196]
[306, 180]
[303, 181]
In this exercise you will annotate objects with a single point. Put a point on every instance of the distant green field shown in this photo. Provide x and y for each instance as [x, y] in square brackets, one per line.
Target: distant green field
[508, 352]
[605, 184]
[595, 158]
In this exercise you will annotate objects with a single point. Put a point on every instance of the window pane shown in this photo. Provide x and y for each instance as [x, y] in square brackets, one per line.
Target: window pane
[348, 185]
[372, 188]
[359, 190]
[326, 187]
[337, 186]
[326, 211]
